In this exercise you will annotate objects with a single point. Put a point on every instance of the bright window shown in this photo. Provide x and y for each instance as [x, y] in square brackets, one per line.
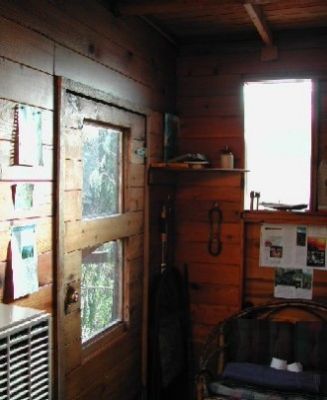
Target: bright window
[101, 289]
[278, 140]
[102, 171]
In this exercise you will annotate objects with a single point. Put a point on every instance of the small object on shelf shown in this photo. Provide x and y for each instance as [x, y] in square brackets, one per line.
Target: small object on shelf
[189, 160]
[227, 158]
[284, 207]
[254, 195]
[252, 199]
[179, 165]
[190, 157]
[257, 196]
[197, 164]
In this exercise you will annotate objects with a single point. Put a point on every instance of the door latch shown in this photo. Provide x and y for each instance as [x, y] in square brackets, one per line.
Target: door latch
[141, 152]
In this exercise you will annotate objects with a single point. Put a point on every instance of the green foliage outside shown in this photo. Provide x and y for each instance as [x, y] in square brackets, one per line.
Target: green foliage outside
[101, 171]
[100, 290]
[101, 270]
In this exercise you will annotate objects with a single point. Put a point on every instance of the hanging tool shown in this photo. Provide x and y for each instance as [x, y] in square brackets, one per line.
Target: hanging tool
[215, 218]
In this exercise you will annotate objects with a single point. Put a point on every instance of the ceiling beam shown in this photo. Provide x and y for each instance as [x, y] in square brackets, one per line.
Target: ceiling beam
[259, 21]
[151, 7]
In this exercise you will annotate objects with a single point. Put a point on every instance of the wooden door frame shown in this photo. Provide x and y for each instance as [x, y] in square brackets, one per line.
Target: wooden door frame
[62, 86]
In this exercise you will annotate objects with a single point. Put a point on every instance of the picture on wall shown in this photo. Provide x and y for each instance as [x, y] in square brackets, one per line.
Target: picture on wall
[293, 246]
[29, 140]
[23, 196]
[24, 260]
[293, 283]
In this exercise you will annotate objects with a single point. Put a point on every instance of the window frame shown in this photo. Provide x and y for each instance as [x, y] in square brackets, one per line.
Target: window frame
[117, 223]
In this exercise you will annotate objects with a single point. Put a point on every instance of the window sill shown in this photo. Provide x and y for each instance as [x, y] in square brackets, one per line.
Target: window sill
[103, 340]
[282, 217]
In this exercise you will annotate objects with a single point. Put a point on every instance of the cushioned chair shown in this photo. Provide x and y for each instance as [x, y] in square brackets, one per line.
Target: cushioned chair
[236, 358]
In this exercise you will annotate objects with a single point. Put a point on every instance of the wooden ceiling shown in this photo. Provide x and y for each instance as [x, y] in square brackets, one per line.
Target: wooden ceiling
[184, 20]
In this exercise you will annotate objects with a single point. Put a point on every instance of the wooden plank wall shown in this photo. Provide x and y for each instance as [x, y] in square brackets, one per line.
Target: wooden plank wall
[210, 105]
[86, 43]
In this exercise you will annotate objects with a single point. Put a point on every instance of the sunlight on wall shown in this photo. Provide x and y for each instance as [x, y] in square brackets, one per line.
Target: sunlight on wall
[278, 140]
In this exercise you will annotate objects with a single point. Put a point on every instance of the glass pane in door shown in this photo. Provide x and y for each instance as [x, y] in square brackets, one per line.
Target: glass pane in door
[102, 171]
[101, 289]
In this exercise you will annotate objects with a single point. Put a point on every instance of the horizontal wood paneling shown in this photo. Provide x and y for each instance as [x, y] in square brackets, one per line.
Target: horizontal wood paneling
[18, 84]
[215, 284]
[134, 67]
[127, 62]
[77, 67]
[25, 46]
[210, 79]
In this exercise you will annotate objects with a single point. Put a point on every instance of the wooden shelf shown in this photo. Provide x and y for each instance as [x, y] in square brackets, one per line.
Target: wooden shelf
[194, 169]
[176, 170]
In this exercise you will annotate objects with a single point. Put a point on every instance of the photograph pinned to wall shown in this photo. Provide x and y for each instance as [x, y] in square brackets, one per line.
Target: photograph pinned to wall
[273, 248]
[24, 260]
[171, 133]
[29, 140]
[23, 196]
[316, 254]
[293, 283]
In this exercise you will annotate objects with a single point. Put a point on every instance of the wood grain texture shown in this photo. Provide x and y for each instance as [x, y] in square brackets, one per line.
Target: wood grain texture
[19, 82]
[121, 57]
[25, 46]
[210, 80]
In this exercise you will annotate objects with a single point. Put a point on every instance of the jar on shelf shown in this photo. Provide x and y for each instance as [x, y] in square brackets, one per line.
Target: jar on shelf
[226, 158]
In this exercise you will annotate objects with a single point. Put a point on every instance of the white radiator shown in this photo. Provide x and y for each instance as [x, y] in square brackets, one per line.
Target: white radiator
[25, 361]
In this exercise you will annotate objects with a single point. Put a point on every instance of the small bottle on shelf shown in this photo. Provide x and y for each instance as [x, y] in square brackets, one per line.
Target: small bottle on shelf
[226, 158]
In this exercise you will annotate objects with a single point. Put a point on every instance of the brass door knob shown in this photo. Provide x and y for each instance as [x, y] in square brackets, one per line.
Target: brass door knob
[72, 296]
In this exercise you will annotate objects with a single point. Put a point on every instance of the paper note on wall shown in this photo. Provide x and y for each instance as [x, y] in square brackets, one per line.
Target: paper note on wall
[24, 260]
[293, 283]
[293, 246]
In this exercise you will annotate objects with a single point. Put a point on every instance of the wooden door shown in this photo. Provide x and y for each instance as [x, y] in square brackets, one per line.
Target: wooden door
[100, 247]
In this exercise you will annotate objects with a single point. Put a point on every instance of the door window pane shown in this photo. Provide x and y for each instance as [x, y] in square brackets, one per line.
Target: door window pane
[102, 171]
[101, 289]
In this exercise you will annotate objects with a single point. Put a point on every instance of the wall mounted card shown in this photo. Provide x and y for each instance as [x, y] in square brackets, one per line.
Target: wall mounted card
[24, 260]
[29, 149]
[293, 283]
[23, 196]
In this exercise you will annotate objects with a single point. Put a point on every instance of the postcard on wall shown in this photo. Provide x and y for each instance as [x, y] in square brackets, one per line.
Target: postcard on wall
[293, 283]
[274, 250]
[24, 260]
[293, 246]
[23, 196]
[29, 151]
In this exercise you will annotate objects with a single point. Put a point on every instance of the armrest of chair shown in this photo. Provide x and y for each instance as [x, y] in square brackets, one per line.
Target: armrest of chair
[202, 385]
